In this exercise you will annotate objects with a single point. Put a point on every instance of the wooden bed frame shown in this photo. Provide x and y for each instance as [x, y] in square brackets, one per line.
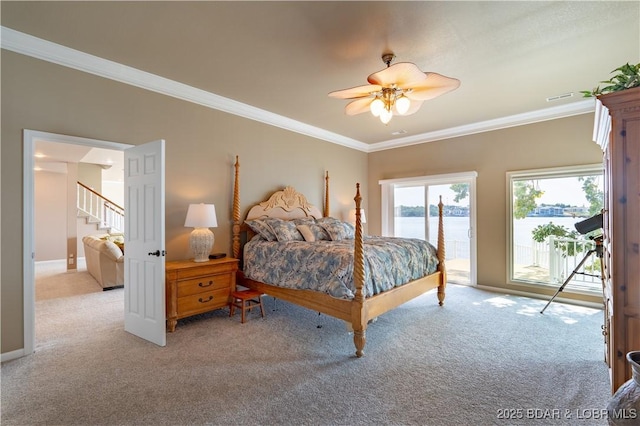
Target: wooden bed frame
[289, 204]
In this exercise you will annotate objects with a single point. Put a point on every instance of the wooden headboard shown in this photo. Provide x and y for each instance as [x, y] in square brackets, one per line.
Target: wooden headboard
[283, 204]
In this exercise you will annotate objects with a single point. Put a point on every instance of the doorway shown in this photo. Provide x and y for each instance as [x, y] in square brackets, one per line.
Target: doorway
[410, 210]
[30, 139]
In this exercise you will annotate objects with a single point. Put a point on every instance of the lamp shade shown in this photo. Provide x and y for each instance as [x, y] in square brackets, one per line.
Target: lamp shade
[352, 216]
[201, 216]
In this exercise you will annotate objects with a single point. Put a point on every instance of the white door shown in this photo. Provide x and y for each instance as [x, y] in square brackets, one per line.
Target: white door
[144, 283]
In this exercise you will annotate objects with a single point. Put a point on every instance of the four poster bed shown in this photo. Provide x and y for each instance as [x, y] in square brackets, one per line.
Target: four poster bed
[289, 251]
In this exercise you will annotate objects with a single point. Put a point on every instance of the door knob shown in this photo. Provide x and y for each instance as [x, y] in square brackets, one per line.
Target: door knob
[155, 253]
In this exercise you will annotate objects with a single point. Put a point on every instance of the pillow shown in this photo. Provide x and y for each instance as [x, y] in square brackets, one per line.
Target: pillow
[324, 220]
[261, 228]
[339, 230]
[306, 233]
[318, 232]
[111, 250]
[304, 221]
[284, 230]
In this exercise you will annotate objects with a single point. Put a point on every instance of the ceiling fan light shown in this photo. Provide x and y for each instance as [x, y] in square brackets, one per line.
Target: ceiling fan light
[398, 89]
[402, 105]
[377, 106]
[385, 116]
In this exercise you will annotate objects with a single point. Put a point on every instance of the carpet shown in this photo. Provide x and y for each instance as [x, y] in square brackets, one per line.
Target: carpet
[482, 359]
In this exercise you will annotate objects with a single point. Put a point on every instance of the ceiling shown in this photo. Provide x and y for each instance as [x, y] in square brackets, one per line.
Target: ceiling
[285, 57]
[53, 157]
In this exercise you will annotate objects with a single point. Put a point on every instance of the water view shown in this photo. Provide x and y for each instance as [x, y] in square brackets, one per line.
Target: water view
[457, 228]
[532, 261]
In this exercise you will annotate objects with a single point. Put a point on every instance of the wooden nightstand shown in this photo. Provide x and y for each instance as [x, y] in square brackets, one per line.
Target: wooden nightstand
[193, 288]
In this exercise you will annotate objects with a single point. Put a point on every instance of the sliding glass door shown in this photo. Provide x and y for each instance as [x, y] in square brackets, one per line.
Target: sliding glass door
[410, 209]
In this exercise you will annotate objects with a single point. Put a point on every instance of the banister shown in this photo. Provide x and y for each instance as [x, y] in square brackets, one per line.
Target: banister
[99, 209]
[100, 195]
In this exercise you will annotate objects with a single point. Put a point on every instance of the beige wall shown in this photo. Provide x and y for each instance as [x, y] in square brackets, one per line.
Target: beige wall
[90, 175]
[50, 215]
[563, 142]
[201, 145]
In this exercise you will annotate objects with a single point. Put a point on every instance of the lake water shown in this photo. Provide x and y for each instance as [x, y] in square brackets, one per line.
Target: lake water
[457, 229]
[549, 269]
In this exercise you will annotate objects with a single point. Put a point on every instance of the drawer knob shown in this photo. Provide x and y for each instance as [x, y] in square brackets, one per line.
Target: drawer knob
[206, 285]
[205, 301]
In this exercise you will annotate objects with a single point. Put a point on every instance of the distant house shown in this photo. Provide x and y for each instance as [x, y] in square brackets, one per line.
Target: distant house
[460, 211]
[558, 211]
[576, 211]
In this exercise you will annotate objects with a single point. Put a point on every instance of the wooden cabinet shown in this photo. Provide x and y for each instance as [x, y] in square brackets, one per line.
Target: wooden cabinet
[617, 130]
[193, 288]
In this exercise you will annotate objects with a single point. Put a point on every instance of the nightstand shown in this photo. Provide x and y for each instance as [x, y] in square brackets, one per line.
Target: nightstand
[193, 288]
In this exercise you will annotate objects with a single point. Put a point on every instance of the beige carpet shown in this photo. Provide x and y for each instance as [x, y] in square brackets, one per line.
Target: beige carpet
[462, 364]
[54, 281]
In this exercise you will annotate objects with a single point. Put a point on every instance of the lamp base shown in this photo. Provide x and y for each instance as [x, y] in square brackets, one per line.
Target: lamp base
[201, 243]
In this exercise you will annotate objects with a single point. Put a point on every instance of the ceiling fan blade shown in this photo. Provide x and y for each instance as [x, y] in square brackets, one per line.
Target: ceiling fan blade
[400, 74]
[358, 106]
[434, 86]
[356, 92]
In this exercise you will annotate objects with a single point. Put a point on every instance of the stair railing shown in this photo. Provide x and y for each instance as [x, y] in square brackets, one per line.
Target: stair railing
[101, 210]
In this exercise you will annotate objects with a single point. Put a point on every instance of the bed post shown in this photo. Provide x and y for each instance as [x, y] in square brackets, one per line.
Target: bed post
[326, 211]
[441, 254]
[236, 212]
[358, 317]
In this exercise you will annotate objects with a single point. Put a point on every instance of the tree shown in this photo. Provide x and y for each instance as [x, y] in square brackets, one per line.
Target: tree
[525, 194]
[461, 190]
[412, 211]
[593, 194]
[541, 232]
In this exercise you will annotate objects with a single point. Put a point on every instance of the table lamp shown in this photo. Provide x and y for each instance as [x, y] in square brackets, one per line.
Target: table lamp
[352, 216]
[201, 217]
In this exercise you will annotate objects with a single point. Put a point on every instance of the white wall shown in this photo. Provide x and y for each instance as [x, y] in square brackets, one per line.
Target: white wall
[114, 191]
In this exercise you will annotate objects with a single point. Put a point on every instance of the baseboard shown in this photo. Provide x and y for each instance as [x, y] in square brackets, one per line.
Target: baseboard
[540, 296]
[9, 356]
[45, 262]
[56, 261]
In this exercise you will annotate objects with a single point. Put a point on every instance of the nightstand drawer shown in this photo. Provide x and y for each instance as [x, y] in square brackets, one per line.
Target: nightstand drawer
[203, 302]
[203, 284]
[216, 267]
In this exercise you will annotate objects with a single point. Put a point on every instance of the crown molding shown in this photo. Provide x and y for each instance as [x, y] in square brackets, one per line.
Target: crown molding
[38, 48]
[562, 111]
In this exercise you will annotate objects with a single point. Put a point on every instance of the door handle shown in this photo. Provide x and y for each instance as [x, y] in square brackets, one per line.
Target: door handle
[155, 253]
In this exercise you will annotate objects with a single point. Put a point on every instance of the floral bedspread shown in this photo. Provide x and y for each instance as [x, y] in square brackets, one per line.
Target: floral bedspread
[327, 266]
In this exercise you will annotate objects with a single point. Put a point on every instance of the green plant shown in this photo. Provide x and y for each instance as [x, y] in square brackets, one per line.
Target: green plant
[541, 232]
[628, 76]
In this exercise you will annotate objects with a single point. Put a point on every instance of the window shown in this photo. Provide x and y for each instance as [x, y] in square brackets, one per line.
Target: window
[544, 244]
[410, 209]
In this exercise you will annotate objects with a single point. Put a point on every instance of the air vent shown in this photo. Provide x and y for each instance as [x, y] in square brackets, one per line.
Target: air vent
[558, 97]
[399, 132]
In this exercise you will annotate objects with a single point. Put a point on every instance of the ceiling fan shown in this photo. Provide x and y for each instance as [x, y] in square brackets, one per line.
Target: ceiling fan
[398, 89]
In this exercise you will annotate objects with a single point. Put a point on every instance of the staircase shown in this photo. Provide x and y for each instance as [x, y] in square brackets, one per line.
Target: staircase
[107, 215]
